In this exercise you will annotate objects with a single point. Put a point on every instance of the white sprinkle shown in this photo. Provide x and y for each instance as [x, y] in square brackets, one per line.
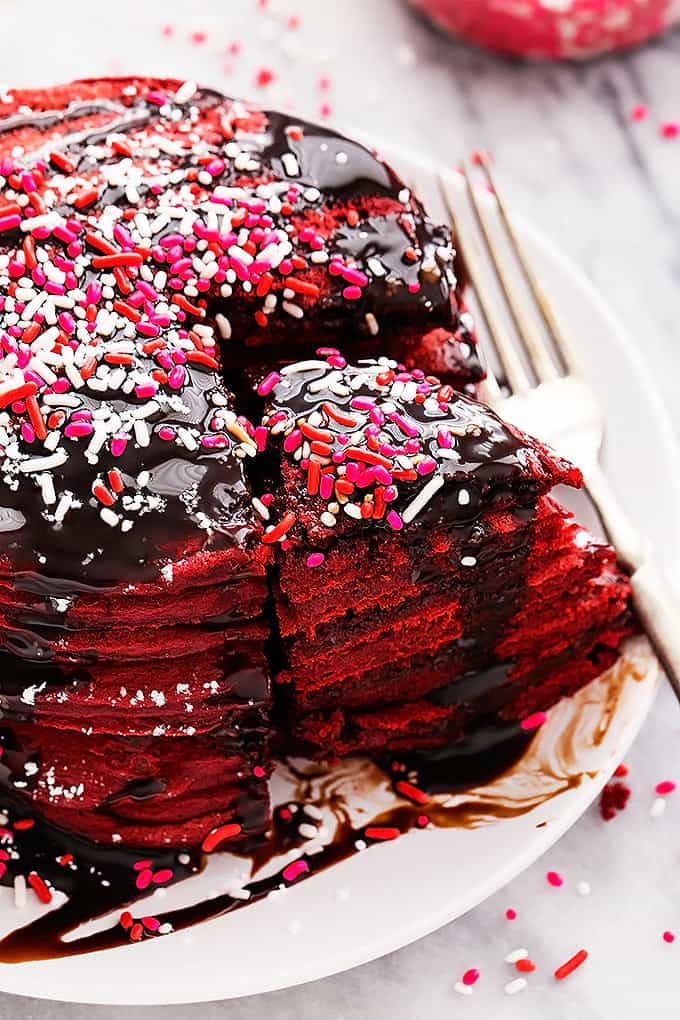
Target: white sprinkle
[142, 432]
[583, 888]
[462, 989]
[312, 811]
[376, 266]
[328, 519]
[296, 311]
[290, 165]
[223, 325]
[341, 158]
[352, 510]
[658, 807]
[423, 498]
[307, 831]
[468, 561]
[109, 517]
[44, 463]
[19, 892]
[463, 498]
[371, 323]
[517, 954]
[513, 987]
[261, 509]
[302, 366]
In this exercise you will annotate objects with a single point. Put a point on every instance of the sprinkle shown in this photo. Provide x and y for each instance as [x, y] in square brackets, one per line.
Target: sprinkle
[422, 499]
[525, 966]
[554, 878]
[411, 792]
[462, 989]
[669, 129]
[471, 976]
[19, 892]
[315, 559]
[290, 164]
[639, 112]
[279, 530]
[668, 936]
[515, 986]
[510, 914]
[665, 787]
[658, 807]
[533, 721]
[219, 835]
[583, 888]
[517, 954]
[381, 832]
[294, 870]
[567, 968]
[39, 887]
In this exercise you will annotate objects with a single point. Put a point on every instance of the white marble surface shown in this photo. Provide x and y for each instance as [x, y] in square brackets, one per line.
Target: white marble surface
[606, 189]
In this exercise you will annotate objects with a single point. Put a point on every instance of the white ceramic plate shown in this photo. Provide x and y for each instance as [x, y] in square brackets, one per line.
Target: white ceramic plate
[384, 898]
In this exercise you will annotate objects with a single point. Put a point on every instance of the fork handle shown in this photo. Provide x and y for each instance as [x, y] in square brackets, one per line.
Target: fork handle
[657, 602]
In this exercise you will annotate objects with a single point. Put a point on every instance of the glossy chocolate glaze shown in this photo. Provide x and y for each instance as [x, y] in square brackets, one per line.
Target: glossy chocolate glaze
[492, 752]
[444, 457]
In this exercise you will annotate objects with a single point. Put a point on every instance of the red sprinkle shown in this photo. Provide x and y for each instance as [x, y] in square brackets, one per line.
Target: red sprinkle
[411, 792]
[554, 878]
[570, 966]
[621, 770]
[510, 914]
[264, 77]
[470, 976]
[669, 129]
[219, 835]
[382, 832]
[38, 886]
[639, 112]
[668, 936]
[525, 966]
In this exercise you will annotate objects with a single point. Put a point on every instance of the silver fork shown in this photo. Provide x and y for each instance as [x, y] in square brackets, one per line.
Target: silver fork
[556, 403]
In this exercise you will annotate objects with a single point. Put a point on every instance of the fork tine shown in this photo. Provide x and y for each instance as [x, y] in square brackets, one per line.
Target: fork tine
[562, 344]
[513, 369]
[539, 358]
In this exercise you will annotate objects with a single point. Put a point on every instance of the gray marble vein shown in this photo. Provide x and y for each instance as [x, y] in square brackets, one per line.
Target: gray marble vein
[607, 190]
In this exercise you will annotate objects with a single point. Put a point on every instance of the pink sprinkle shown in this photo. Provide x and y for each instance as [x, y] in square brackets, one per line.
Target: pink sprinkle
[268, 384]
[151, 923]
[264, 77]
[324, 83]
[532, 722]
[639, 112]
[294, 870]
[554, 878]
[315, 559]
[163, 875]
[118, 444]
[325, 110]
[143, 880]
[668, 936]
[167, 31]
[395, 521]
[669, 129]
[667, 786]
[510, 914]
[352, 293]
[470, 976]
